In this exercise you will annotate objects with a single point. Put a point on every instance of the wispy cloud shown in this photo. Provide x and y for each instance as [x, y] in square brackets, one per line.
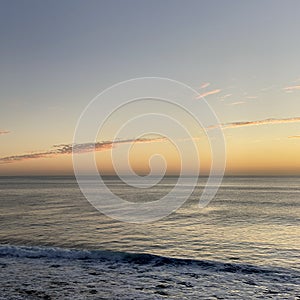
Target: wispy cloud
[63, 149]
[237, 103]
[195, 139]
[208, 93]
[251, 97]
[292, 87]
[204, 85]
[226, 96]
[270, 121]
[294, 137]
[268, 88]
[4, 131]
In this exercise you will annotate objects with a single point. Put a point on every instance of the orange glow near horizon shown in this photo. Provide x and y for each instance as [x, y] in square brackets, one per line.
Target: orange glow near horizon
[244, 157]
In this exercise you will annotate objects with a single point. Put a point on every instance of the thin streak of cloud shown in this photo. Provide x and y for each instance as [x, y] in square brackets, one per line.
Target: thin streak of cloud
[256, 141]
[237, 103]
[63, 149]
[204, 85]
[267, 88]
[294, 137]
[251, 97]
[257, 123]
[208, 93]
[4, 131]
[226, 96]
[291, 88]
[190, 139]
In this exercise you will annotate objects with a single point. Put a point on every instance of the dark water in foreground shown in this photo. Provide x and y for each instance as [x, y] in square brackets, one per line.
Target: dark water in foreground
[244, 244]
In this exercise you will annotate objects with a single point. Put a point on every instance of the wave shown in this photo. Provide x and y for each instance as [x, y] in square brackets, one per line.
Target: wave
[34, 252]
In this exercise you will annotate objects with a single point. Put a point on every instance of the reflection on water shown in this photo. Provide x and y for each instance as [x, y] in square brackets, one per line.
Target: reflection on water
[251, 220]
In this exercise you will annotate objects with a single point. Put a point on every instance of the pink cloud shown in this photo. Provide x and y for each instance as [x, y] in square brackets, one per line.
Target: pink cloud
[63, 149]
[204, 85]
[270, 121]
[293, 87]
[208, 93]
[4, 132]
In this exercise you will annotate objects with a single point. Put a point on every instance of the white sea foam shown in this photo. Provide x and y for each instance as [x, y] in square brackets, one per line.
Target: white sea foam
[54, 273]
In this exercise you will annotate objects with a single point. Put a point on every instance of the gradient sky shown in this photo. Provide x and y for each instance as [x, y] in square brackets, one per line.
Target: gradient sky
[242, 56]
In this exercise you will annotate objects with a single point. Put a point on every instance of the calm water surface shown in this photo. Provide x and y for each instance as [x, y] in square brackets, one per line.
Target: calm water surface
[252, 219]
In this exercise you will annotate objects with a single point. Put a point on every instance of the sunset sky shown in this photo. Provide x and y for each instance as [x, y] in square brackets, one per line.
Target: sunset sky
[241, 56]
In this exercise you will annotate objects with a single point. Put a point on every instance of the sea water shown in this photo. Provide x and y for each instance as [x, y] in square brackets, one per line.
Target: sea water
[244, 245]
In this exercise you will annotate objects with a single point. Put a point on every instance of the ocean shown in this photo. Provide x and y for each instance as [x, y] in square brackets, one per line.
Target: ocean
[244, 245]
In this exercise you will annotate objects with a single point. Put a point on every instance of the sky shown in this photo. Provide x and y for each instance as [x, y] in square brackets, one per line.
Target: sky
[241, 56]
